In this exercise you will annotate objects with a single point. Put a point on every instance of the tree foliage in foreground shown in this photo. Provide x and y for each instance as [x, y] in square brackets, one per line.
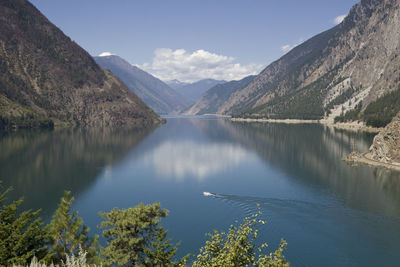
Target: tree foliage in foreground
[236, 248]
[68, 233]
[135, 238]
[22, 235]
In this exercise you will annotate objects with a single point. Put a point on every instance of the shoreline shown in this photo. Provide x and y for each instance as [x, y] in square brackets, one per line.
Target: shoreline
[288, 121]
[216, 115]
[355, 157]
[350, 126]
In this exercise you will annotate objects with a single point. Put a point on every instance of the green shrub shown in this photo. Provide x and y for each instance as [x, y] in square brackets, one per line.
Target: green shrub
[237, 248]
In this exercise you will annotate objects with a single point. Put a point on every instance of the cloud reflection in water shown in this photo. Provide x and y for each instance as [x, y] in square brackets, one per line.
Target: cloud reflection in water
[188, 159]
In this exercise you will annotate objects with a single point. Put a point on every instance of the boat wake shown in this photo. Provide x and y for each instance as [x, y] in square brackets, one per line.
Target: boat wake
[302, 220]
[208, 194]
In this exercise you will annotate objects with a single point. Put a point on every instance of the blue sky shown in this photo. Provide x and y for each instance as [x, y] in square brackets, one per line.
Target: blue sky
[193, 39]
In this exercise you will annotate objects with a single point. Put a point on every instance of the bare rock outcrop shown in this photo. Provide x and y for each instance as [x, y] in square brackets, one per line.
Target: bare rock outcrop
[386, 145]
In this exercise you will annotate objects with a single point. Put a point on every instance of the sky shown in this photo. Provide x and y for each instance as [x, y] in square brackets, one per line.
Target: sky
[189, 40]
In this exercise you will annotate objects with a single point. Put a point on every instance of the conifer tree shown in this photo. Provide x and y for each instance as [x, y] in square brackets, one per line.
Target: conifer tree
[135, 238]
[236, 248]
[67, 233]
[22, 235]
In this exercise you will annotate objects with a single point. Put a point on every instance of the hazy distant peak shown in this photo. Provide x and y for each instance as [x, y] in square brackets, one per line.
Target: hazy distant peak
[155, 93]
[208, 81]
[175, 82]
[193, 91]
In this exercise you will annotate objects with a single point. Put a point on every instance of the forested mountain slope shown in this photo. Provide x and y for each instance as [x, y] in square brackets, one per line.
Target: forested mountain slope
[46, 79]
[345, 68]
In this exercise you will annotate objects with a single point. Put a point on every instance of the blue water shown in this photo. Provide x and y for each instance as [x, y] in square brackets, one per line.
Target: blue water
[330, 213]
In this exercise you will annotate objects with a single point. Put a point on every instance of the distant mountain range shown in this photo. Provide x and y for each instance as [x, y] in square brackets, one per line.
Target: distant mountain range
[193, 91]
[215, 97]
[154, 92]
[350, 72]
[342, 73]
[46, 79]
[174, 84]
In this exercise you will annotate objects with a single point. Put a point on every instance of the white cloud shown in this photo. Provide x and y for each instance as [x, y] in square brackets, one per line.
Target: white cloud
[339, 19]
[287, 47]
[184, 66]
[106, 54]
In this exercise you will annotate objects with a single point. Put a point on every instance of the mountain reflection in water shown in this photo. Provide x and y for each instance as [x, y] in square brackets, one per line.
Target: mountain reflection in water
[331, 213]
[312, 155]
[40, 165]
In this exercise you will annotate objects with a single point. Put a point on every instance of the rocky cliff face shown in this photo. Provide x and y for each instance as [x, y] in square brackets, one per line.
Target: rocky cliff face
[46, 78]
[386, 145]
[344, 68]
[155, 93]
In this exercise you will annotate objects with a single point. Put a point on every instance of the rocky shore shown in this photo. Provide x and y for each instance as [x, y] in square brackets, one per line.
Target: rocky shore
[385, 149]
[365, 158]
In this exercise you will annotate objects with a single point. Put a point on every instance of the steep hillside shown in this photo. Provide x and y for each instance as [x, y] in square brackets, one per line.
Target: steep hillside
[193, 91]
[378, 113]
[347, 67]
[47, 79]
[155, 93]
[215, 97]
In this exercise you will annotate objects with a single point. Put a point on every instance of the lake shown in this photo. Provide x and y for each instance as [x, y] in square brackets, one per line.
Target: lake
[330, 213]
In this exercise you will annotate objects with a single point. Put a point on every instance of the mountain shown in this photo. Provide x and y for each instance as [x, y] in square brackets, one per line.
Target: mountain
[175, 84]
[217, 96]
[47, 79]
[193, 91]
[347, 68]
[155, 93]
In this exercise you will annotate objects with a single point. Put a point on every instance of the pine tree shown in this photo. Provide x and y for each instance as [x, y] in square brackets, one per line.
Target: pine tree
[135, 238]
[67, 233]
[22, 235]
[236, 248]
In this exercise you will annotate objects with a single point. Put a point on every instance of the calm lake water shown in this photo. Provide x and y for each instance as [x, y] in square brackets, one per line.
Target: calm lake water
[330, 213]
